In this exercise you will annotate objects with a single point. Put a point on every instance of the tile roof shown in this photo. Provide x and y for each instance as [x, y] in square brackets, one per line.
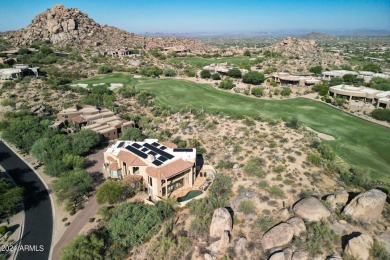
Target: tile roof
[132, 178]
[169, 170]
[130, 159]
[113, 167]
[111, 159]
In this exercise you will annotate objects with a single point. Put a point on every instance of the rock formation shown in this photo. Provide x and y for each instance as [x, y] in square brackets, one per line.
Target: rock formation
[221, 221]
[338, 199]
[311, 209]
[298, 226]
[69, 26]
[366, 206]
[359, 247]
[278, 236]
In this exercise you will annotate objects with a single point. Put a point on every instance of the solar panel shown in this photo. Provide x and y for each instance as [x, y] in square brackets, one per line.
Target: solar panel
[120, 144]
[182, 149]
[157, 162]
[144, 149]
[136, 145]
[160, 152]
[155, 144]
[163, 148]
[162, 158]
[137, 152]
[152, 153]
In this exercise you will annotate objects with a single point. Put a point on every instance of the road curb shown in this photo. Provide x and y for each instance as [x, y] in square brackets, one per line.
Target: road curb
[47, 188]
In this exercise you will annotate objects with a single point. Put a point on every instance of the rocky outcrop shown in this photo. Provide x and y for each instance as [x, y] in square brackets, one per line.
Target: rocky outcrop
[384, 238]
[300, 255]
[311, 209]
[286, 254]
[359, 247]
[298, 226]
[307, 51]
[367, 206]
[69, 26]
[221, 221]
[278, 236]
[240, 245]
[283, 214]
[221, 245]
[339, 199]
[334, 256]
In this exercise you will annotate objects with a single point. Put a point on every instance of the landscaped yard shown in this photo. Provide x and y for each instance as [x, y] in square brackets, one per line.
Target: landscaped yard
[200, 62]
[357, 141]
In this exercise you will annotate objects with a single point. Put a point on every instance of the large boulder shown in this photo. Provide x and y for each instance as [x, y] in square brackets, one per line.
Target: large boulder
[220, 222]
[283, 214]
[298, 225]
[367, 206]
[240, 245]
[221, 245]
[278, 236]
[339, 199]
[311, 209]
[286, 254]
[359, 247]
[384, 238]
[300, 255]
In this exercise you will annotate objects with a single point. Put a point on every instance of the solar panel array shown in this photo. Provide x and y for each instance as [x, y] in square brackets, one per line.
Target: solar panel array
[120, 144]
[154, 149]
[137, 152]
[182, 149]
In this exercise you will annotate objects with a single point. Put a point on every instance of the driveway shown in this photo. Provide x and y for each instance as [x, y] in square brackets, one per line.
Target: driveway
[38, 225]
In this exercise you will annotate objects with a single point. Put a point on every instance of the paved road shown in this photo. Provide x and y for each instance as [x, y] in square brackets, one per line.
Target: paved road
[38, 225]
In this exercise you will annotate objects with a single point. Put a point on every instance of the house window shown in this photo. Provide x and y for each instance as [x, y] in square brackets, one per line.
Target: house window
[150, 181]
[135, 170]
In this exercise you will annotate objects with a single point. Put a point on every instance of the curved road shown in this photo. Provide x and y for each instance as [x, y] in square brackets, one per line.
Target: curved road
[38, 225]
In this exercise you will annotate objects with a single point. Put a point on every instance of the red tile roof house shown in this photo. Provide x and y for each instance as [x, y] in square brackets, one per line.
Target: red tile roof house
[160, 167]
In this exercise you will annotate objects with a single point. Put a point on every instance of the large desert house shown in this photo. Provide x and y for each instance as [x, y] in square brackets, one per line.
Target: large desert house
[158, 168]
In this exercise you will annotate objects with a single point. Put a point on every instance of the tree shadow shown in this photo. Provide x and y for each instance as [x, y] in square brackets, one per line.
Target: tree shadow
[89, 163]
[98, 178]
[4, 156]
[13, 228]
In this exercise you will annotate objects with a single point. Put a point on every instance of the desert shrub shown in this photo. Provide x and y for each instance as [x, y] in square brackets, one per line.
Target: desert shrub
[279, 168]
[234, 73]
[227, 84]
[247, 207]
[276, 192]
[378, 251]
[104, 69]
[253, 167]
[326, 151]
[264, 223]
[205, 74]
[257, 91]
[293, 122]
[3, 230]
[263, 184]
[169, 72]
[381, 114]
[215, 76]
[319, 237]
[210, 125]
[286, 92]
[225, 165]
[253, 77]
[314, 159]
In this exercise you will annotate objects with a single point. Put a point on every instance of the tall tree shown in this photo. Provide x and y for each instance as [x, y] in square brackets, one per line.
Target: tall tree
[84, 247]
[10, 197]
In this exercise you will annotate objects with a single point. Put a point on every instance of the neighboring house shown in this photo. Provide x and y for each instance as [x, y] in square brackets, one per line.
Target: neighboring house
[19, 70]
[102, 121]
[160, 168]
[118, 52]
[222, 68]
[284, 78]
[369, 95]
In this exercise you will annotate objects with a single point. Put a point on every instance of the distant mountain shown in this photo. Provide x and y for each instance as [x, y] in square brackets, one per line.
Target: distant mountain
[316, 36]
[69, 26]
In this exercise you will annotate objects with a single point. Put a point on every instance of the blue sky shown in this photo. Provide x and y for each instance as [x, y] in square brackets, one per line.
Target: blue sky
[213, 15]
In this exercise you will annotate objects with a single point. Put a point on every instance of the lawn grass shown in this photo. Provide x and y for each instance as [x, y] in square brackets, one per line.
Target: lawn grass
[359, 142]
[200, 62]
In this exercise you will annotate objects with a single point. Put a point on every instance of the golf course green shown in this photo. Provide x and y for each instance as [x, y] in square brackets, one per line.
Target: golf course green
[359, 142]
